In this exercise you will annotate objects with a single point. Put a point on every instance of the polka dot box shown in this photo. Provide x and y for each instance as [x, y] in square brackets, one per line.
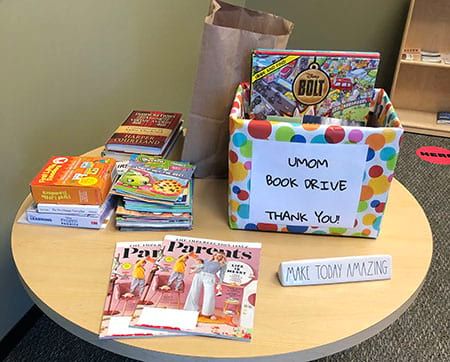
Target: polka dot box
[383, 147]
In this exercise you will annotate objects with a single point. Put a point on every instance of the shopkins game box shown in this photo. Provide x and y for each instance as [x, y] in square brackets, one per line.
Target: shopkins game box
[324, 83]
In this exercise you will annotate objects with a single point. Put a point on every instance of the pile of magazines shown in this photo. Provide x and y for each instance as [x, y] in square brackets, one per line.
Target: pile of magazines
[182, 286]
[156, 194]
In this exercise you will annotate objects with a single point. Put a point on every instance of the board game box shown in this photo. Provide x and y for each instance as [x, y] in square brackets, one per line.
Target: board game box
[74, 180]
[323, 83]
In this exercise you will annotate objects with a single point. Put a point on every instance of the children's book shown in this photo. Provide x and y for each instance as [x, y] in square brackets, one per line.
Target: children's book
[146, 185]
[133, 269]
[133, 204]
[204, 287]
[336, 84]
[122, 211]
[145, 131]
[164, 166]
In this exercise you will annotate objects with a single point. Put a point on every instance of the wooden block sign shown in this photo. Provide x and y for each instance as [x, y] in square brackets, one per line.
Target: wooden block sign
[335, 270]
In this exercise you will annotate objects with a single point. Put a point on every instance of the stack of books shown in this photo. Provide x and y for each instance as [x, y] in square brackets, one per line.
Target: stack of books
[152, 133]
[73, 191]
[155, 194]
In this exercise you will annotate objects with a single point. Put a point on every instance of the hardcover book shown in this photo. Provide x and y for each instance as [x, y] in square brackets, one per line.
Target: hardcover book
[145, 132]
[323, 83]
[204, 287]
[74, 180]
[133, 269]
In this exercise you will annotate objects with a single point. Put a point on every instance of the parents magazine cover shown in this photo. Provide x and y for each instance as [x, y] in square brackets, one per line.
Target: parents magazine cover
[203, 287]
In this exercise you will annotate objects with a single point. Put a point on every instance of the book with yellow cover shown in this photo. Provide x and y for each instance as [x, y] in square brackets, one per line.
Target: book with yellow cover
[74, 180]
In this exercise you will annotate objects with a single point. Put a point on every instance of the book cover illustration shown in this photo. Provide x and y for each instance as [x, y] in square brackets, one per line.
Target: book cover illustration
[162, 165]
[323, 83]
[147, 185]
[133, 268]
[206, 287]
[149, 130]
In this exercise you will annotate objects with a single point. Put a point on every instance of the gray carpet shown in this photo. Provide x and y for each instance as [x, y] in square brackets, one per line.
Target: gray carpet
[420, 334]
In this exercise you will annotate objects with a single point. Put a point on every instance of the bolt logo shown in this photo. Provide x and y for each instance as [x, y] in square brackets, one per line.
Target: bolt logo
[311, 86]
[60, 160]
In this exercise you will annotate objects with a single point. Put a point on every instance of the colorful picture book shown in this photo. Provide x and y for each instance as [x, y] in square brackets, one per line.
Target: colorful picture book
[126, 218]
[161, 165]
[149, 132]
[155, 194]
[152, 186]
[202, 287]
[323, 83]
[133, 268]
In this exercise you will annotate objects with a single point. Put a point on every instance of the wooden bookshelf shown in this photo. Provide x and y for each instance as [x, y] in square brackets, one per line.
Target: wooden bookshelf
[421, 89]
[424, 64]
[422, 122]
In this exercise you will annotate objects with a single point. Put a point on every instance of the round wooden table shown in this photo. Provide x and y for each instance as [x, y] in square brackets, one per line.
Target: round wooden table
[66, 273]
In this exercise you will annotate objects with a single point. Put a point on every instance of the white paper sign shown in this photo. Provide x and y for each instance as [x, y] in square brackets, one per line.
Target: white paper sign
[306, 184]
[335, 270]
[175, 318]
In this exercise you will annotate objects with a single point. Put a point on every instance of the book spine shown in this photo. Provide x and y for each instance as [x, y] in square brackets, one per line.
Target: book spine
[64, 220]
[77, 210]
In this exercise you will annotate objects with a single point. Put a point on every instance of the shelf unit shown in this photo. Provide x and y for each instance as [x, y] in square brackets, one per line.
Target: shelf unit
[424, 64]
[421, 89]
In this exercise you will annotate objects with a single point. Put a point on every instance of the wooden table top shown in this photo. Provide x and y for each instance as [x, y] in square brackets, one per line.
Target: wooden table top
[66, 272]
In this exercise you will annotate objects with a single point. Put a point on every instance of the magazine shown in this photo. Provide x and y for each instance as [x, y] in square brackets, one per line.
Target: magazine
[133, 268]
[203, 287]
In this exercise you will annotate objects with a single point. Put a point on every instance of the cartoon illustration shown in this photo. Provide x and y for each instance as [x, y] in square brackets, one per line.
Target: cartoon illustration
[283, 90]
[167, 187]
[134, 178]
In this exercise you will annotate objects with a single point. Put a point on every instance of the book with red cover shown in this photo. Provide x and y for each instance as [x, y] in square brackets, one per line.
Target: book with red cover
[148, 132]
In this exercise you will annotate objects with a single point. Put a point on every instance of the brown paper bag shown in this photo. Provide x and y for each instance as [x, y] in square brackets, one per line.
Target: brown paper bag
[230, 33]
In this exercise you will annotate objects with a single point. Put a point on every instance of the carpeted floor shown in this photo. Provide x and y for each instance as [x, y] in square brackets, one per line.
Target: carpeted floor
[420, 334]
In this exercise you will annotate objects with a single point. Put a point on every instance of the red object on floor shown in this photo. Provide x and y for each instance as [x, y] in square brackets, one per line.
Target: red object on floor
[433, 154]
